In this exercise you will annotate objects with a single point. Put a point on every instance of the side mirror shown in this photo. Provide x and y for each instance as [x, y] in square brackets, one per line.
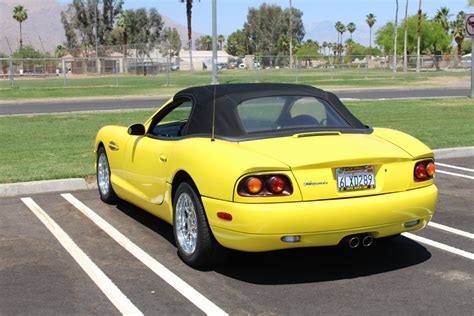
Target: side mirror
[136, 129]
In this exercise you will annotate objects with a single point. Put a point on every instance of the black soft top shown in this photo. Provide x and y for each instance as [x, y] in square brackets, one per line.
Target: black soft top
[229, 96]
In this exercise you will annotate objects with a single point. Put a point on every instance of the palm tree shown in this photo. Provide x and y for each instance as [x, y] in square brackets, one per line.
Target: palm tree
[20, 14]
[442, 17]
[221, 40]
[189, 12]
[458, 30]
[395, 35]
[325, 45]
[340, 28]
[123, 24]
[370, 19]
[351, 27]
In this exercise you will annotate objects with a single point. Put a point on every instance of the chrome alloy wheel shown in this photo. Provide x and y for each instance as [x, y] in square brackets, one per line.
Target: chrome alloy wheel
[103, 176]
[186, 223]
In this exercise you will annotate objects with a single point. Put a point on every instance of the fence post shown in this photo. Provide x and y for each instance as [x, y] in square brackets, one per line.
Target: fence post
[12, 79]
[116, 68]
[168, 66]
[256, 65]
[367, 67]
[64, 72]
[296, 68]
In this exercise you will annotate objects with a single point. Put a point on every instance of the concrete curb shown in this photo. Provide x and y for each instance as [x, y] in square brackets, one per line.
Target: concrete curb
[457, 152]
[75, 184]
[45, 186]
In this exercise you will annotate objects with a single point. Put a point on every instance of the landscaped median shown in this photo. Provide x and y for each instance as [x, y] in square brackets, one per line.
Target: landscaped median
[54, 146]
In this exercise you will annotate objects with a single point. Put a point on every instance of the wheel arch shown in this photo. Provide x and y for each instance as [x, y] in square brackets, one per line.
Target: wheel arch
[179, 177]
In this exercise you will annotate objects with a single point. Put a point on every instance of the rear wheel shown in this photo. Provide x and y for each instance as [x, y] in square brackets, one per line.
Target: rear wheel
[197, 246]
[106, 191]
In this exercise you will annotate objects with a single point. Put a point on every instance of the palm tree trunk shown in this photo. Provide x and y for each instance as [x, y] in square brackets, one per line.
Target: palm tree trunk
[370, 41]
[418, 34]
[189, 7]
[405, 57]
[21, 38]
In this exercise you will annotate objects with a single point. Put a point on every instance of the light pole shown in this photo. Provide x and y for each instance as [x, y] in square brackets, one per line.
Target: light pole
[291, 36]
[214, 43]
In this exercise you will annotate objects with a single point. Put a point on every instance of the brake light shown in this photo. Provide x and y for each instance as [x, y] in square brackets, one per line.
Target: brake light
[275, 185]
[424, 170]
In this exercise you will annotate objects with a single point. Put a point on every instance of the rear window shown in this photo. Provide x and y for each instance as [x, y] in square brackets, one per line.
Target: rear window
[288, 112]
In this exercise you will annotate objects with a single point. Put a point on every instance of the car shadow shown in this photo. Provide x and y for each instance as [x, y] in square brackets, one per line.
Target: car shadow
[323, 264]
[148, 220]
[302, 265]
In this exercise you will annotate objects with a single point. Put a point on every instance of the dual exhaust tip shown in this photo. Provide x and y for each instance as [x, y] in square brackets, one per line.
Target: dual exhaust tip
[356, 241]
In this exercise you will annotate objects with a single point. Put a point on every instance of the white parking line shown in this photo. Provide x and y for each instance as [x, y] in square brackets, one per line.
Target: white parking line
[455, 174]
[439, 245]
[121, 302]
[451, 230]
[159, 269]
[453, 167]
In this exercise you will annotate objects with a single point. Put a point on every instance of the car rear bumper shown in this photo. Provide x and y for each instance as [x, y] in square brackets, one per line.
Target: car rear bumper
[260, 227]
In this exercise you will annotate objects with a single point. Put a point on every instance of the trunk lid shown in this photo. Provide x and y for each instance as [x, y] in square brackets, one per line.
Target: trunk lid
[314, 158]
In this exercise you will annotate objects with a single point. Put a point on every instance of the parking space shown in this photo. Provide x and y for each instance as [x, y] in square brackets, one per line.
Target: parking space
[136, 253]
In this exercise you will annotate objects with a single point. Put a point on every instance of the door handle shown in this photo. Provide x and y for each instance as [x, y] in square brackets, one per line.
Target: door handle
[163, 158]
[113, 146]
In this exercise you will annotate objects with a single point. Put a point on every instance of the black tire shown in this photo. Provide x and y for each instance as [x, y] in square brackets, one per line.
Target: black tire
[107, 195]
[207, 250]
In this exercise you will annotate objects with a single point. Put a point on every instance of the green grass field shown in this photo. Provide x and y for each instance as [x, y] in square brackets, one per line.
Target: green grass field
[151, 85]
[53, 146]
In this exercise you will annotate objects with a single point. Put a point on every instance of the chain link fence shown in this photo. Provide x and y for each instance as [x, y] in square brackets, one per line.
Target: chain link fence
[137, 65]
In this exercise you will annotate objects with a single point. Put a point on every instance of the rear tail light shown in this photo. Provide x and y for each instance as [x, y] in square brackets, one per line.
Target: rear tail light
[424, 170]
[265, 185]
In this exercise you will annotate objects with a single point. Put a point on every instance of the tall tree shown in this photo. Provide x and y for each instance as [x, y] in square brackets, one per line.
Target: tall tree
[221, 40]
[267, 31]
[189, 14]
[237, 44]
[405, 39]
[395, 35]
[20, 14]
[79, 21]
[204, 42]
[340, 28]
[351, 27]
[171, 43]
[458, 31]
[442, 17]
[370, 19]
[418, 39]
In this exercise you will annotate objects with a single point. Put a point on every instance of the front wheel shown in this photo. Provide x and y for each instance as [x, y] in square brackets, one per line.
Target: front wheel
[106, 191]
[197, 246]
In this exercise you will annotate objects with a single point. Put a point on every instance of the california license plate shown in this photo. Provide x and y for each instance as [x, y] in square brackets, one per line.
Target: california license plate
[355, 178]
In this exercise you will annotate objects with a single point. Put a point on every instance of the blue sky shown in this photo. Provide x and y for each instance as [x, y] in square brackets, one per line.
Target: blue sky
[232, 13]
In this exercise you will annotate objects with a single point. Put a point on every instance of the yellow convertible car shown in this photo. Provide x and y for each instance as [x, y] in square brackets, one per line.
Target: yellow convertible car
[259, 167]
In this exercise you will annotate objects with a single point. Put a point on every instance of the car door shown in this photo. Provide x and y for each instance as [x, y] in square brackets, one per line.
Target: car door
[147, 156]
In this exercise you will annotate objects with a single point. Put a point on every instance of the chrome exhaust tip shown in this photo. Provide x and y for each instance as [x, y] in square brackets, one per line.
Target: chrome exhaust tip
[353, 242]
[367, 241]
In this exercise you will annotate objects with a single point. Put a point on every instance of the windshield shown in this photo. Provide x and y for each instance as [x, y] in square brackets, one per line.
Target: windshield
[267, 114]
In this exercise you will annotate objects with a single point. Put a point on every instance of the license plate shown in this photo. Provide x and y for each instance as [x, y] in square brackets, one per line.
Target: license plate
[355, 178]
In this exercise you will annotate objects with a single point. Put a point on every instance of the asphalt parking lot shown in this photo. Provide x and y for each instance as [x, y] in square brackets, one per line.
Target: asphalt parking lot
[66, 253]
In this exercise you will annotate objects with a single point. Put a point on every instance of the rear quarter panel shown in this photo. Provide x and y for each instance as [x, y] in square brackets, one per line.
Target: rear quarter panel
[215, 166]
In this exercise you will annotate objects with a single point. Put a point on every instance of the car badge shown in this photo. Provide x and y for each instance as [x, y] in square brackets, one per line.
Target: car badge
[311, 183]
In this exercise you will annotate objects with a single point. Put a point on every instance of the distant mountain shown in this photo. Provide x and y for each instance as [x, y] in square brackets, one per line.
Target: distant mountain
[44, 21]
